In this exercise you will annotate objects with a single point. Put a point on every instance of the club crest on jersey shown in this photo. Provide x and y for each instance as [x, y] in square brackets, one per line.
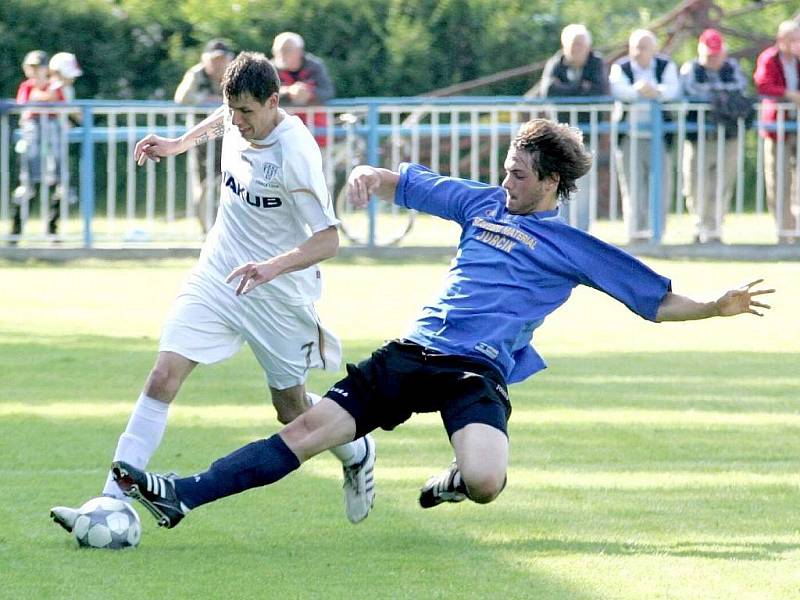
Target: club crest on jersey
[270, 170]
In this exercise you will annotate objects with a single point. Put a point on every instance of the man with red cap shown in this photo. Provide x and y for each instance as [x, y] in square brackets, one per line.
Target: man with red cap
[777, 76]
[707, 78]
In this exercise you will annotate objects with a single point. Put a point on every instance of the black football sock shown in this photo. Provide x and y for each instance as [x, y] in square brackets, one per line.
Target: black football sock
[256, 464]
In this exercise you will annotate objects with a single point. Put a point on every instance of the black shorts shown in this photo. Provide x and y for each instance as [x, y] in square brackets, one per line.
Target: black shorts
[402, 378]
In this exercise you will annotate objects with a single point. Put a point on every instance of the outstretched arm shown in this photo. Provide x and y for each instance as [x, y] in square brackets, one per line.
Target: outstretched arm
[153, 147]
[365, 180]
[734, 302]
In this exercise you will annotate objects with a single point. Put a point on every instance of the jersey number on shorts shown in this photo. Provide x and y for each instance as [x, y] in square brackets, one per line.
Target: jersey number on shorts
[309, 348]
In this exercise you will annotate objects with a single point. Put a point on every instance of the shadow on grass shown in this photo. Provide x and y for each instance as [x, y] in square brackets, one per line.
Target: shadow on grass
[734, 381]
[696, 549]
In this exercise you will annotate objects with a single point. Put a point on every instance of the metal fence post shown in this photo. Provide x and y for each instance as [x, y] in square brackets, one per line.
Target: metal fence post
[87, 175]
[657, 149]
[373, 157]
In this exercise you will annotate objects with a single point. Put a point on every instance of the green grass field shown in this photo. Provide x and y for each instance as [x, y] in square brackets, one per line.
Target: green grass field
[649, 461]
[744, 228]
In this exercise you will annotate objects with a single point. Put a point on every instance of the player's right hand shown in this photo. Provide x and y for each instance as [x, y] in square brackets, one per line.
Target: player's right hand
[361, 184]
[153, 147]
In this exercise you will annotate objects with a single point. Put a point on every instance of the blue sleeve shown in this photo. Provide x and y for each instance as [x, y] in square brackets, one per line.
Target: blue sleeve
[450, 198]
[618, 274]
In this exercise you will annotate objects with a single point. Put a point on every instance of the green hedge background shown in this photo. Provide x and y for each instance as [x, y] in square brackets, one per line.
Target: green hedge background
[140, 48]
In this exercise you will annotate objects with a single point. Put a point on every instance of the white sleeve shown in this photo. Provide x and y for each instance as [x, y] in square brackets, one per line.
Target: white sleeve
[312, 212]
[305, 181]
[670, 86]
[620, 85]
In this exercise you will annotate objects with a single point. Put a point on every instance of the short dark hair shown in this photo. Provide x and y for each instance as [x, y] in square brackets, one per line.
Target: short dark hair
[555, 148]
[251, 73]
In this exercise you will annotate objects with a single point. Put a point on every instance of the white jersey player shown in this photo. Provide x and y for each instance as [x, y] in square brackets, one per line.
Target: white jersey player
[257, 277]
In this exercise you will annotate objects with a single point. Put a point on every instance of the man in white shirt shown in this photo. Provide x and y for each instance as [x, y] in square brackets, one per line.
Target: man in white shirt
[636, 79]
[257, 277]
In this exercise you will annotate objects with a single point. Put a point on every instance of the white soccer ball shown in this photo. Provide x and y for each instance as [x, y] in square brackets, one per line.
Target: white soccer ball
[107, 523]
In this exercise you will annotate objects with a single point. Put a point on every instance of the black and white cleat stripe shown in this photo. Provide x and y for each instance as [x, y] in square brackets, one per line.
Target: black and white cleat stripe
[155, 492]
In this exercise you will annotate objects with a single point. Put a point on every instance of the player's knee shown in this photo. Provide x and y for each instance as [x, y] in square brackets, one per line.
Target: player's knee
[287, 414]
[162, 384]
[485, 486]
[288, 406]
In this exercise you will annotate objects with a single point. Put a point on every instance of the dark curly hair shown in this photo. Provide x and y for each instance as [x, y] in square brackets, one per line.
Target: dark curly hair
[555, 148]
[251, 73]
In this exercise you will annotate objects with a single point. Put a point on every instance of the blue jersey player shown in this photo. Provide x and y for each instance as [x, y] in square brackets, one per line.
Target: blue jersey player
[517, 262]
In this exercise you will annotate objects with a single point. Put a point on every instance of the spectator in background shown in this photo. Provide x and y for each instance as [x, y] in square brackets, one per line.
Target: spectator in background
[64, 70]
[639, 77]
[38, 145]
[777, 76]
[201, 84]
[704, 79]
[575, 70]
[304, 80]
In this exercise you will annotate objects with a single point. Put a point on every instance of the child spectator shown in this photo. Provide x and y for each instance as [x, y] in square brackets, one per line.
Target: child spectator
[39, 145]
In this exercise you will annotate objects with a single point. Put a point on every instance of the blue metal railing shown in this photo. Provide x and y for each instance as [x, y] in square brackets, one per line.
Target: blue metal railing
[372, 129]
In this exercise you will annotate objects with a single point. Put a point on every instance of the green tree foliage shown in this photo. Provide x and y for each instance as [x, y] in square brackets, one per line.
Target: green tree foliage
[121, 57]
[140, 48]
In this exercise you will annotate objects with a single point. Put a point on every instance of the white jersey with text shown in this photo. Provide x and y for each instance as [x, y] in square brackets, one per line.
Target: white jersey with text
[273, 198]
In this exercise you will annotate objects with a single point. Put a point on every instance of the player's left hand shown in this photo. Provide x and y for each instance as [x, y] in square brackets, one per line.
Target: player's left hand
[741, 300]
[253, 275]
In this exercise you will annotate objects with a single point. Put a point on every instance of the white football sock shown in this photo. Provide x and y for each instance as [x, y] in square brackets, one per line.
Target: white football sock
[350, 453]
[141, 438]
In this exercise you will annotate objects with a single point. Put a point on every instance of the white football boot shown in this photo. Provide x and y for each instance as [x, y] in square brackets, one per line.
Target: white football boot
[64, 516]
[359, 484]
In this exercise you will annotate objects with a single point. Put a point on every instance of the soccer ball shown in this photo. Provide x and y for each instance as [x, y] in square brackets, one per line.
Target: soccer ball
[107, 523]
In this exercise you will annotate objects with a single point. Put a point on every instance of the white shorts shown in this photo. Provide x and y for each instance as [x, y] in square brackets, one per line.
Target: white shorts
[208, 323]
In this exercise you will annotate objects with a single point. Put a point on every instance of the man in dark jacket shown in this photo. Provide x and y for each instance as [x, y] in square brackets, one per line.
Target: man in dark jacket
[304, 80]
[202, 84]
[575, 70]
